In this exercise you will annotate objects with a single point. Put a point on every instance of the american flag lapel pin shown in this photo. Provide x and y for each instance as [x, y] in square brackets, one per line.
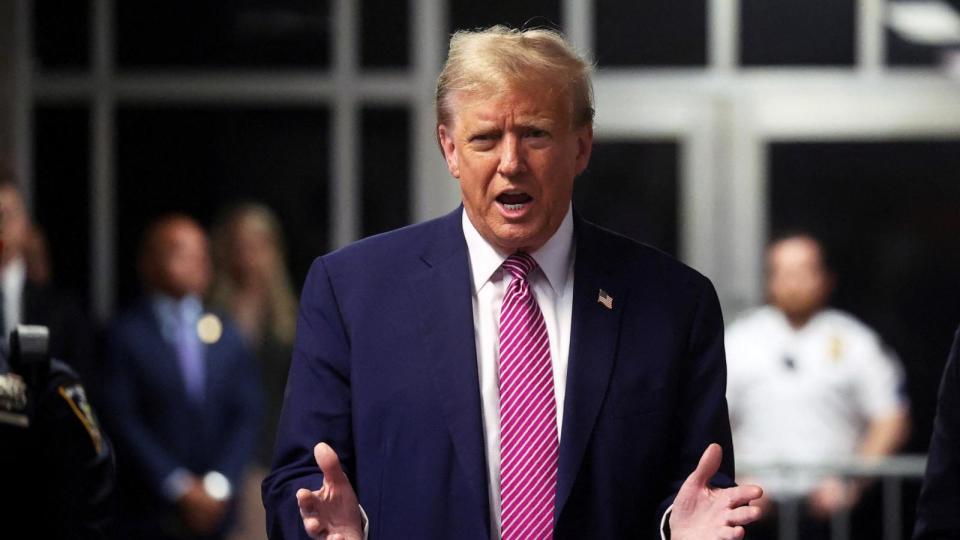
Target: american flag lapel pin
[604, 299]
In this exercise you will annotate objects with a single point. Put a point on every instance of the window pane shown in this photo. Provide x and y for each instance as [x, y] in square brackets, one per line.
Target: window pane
[384, 33]
[797, 32]
[470, 14]
[651, 33]
[238, 34]
[631, 188]
[62, 194]
[887, 212]
[197, 161]
[385, 169]
[61, 34]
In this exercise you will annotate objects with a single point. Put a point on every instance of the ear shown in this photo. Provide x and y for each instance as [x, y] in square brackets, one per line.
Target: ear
[449, 147]
[584, 147]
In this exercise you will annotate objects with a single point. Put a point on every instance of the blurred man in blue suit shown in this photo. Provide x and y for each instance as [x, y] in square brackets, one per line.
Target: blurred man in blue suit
[509, 370]
[183, 398]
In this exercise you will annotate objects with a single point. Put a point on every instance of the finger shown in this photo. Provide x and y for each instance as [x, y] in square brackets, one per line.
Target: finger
[733, 533]
[312, 527]
[741, 495]
[708, 466]
[743, 515]
[329, 463]
[307, 501]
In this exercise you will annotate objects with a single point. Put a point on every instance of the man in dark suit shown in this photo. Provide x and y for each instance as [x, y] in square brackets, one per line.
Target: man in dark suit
[183, 398]
[937, 516]
[508, 370]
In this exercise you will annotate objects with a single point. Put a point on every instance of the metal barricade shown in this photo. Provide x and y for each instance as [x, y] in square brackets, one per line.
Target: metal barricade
[891, 472]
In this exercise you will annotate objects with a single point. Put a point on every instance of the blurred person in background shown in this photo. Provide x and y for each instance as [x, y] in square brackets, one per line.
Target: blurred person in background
[57, 464]
[252, 284]
[938, 510]
[28, 297]
[808, 386]
[184, 399]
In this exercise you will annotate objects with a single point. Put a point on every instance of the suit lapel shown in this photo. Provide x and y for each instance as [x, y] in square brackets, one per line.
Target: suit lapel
[595, 330]
[443, 293]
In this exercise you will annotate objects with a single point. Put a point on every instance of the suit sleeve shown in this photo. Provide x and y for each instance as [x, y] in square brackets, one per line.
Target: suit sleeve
[316, 406]
[937, 515]
[128, 427]
[702, 408]
[79, 456]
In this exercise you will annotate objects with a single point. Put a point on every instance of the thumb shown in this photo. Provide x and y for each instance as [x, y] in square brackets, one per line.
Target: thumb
[329, 463]
[708, 466]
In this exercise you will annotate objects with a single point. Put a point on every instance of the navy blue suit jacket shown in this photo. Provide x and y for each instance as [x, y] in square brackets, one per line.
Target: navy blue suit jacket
[157, 428]
[937, 511]
[385, 370]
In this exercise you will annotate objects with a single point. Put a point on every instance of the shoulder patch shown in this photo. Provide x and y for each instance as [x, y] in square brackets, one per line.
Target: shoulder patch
[13, 401]
[76, 397]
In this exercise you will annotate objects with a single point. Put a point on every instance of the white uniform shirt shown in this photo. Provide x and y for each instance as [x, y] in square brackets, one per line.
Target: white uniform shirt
[805, 395]
[552, 284]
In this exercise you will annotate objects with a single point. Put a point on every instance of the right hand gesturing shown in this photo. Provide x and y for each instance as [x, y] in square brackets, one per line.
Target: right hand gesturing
[332, 512]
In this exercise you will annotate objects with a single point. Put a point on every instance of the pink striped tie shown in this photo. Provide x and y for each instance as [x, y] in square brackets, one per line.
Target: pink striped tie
[529, 445]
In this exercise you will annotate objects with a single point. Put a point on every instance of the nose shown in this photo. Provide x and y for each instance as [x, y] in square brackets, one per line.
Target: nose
[511, 156]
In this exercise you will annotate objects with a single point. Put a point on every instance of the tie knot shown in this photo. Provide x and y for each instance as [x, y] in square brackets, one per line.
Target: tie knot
[519, 265]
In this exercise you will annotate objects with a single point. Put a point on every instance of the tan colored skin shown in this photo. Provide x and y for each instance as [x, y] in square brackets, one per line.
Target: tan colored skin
[15, 223]
[522, 140]
[798, 284]
[176, 259]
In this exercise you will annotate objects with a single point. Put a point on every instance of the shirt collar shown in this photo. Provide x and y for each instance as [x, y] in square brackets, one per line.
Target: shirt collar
[15, 274]
[171, 311]
[553, 257]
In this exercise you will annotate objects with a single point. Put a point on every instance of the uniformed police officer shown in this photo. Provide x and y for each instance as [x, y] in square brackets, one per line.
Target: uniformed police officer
[56, 465]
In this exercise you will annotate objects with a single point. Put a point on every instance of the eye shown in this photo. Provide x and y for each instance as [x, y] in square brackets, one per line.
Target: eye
[537, 133]
[483, 140]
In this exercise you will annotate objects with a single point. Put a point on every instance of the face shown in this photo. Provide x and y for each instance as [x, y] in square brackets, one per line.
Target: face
[182, 261]
[253, 249]
[15, 223]
[798, 284]
[516, 156]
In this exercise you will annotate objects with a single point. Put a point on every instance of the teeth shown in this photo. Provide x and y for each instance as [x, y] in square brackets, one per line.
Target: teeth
[513, 207]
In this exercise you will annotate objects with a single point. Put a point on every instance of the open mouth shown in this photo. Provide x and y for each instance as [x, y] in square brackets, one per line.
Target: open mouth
[514, 201]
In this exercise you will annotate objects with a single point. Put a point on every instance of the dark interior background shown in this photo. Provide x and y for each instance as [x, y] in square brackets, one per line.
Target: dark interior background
[887, 210]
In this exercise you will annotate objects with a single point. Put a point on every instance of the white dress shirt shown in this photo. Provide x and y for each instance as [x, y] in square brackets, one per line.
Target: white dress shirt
[805, 396]
[13, 278]
[552, 285]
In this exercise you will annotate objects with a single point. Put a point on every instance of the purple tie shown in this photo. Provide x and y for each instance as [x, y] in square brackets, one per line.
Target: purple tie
[190, 354]
[529, 445]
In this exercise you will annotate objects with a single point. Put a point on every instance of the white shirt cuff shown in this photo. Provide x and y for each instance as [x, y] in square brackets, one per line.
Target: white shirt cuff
[365, 522]
[176, 484]
[663, 523]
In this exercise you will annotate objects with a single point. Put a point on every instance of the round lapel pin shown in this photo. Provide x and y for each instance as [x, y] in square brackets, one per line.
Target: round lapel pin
[209, 329]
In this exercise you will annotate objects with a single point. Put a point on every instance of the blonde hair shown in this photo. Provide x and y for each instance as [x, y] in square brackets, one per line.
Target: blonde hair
[500, 58]
[281, 301]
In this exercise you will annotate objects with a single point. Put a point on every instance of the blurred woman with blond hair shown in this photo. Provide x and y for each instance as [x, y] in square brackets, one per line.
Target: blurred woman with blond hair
[252, 284]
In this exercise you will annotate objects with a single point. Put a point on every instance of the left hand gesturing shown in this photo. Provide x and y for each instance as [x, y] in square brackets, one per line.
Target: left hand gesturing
[702, 512]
